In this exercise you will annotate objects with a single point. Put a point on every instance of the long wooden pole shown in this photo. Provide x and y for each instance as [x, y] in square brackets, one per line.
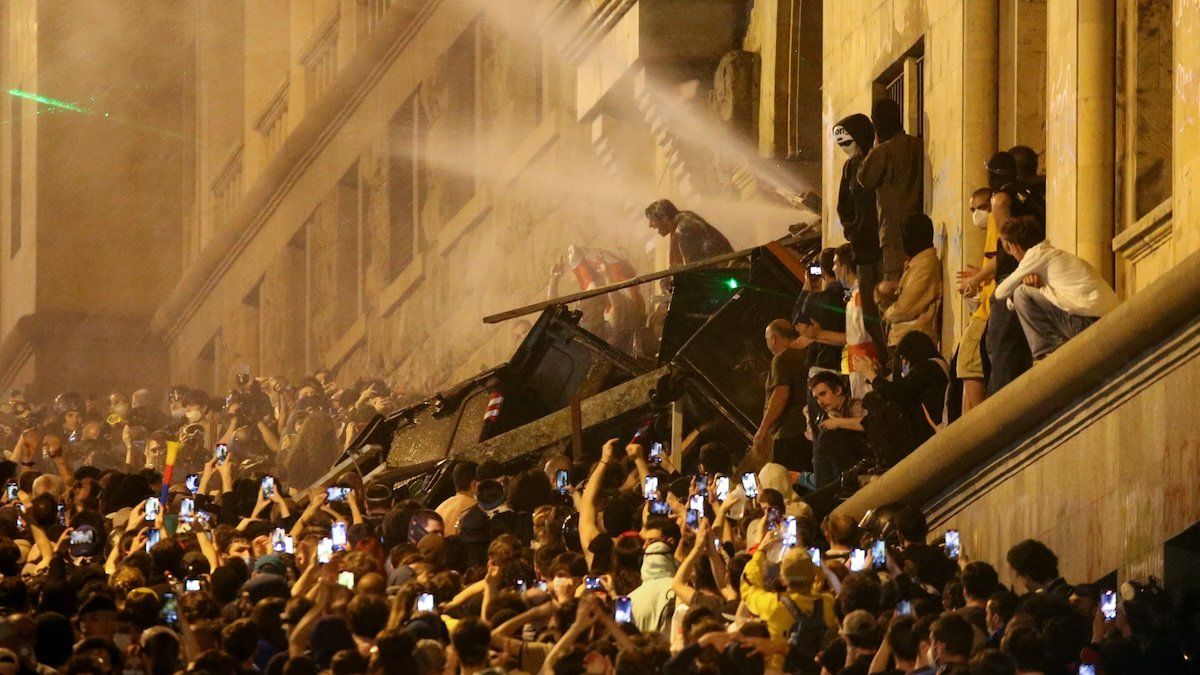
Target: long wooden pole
[636, 281]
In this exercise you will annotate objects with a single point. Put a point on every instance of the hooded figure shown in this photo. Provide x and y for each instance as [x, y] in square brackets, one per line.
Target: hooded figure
[895, 170]
[652, 601]
[856, 204]
[919, 297]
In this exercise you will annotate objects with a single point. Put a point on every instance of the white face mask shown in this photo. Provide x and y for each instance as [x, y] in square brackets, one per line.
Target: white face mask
[980, 218]
[194, 415]
[843, 139]
[178, 413]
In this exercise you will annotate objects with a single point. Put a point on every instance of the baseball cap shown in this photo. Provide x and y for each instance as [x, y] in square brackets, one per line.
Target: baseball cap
[797, 568]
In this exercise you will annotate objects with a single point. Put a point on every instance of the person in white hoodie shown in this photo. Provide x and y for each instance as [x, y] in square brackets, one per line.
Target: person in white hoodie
[1056, 295]
[651, 602]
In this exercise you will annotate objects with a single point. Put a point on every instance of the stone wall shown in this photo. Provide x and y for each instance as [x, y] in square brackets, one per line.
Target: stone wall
[862, 42]
[494, 216]
[1106, 495]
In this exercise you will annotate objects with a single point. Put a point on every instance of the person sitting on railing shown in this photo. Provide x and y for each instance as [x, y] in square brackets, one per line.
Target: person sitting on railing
[1056, 294]
[905, 411]
[915, 303]
[840, 439]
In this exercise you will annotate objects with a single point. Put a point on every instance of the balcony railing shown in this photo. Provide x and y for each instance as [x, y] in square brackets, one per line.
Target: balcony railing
[373, 12]
[272, 125]
[227, 189]
[319, 60]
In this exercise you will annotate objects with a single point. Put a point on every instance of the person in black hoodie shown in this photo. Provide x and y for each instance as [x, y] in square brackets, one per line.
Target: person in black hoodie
[857, 210]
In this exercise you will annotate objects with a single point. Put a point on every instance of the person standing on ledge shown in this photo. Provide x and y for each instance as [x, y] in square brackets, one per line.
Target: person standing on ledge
[692, 238]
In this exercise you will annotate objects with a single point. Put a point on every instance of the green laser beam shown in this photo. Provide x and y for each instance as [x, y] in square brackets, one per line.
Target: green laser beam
[63, 105]
[46, 100]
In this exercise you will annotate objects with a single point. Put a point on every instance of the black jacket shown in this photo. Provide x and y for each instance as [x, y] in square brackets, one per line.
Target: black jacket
[856, 205]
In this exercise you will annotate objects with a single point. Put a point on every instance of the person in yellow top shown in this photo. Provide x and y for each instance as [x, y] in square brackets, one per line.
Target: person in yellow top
[800, 575]
[977, 284]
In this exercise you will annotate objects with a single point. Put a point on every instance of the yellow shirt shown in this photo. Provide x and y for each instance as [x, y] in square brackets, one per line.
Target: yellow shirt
[991, 243]
[767, 606]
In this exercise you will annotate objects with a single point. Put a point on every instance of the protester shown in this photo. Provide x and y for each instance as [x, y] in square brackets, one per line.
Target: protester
[858, 213]
[692, 238]
[840, 439]
[906, 409]
[856, 339]
[226, 571]
[894, 169]
[1056, 295]
[783, 423]
[917, 301]
[977, 287]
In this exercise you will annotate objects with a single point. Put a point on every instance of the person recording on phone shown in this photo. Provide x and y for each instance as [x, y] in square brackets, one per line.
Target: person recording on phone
[781, 610]
[927, 568]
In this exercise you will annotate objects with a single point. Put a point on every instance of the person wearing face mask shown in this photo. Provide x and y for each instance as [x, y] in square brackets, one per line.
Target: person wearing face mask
[950, 640]
[894, 169]
[919, 295]
[977, 288]
[905, 411]
[857, 212]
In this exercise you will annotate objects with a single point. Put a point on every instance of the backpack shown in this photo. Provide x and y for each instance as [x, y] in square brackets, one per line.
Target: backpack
[663, 625]
[806, 637]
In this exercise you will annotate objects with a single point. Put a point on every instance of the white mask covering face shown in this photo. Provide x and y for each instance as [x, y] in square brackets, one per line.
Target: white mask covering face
[844, 140]
[194, 415]
[980, 218]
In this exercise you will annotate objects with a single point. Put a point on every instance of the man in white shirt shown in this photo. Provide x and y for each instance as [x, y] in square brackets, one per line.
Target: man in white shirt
[1056, 295]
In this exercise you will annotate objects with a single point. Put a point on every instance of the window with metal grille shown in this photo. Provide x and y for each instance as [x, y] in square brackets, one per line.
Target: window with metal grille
[904, 83]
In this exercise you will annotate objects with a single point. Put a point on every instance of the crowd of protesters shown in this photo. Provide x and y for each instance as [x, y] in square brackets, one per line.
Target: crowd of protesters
[204, 534]
[858, 379]
[631, 559]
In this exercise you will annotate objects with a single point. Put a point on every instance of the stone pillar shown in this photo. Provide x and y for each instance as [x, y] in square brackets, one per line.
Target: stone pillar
[1079, 129]
[1186, 129]
[1022, 74]
[981, 67]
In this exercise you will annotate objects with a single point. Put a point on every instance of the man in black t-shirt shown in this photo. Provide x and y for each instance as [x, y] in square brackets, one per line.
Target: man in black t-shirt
[783, 413]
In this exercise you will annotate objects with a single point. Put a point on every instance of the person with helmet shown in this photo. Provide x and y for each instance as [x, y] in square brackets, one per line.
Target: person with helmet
[70, 406]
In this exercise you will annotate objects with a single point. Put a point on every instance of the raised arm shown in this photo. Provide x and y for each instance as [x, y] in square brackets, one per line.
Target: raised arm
[585, 616]
[680, 584]
[588, 527]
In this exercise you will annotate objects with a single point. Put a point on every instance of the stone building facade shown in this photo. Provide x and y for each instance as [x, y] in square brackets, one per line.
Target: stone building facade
[376, 176]
[1092, 451]
[95, 156]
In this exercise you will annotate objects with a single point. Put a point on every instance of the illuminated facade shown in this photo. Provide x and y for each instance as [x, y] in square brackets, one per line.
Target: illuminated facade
[374, 177]
[95, 150]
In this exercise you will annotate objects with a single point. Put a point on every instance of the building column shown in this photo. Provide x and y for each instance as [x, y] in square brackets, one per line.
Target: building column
[1186, 129]
[1079, 129]
[980, 70]
[1022, 74]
